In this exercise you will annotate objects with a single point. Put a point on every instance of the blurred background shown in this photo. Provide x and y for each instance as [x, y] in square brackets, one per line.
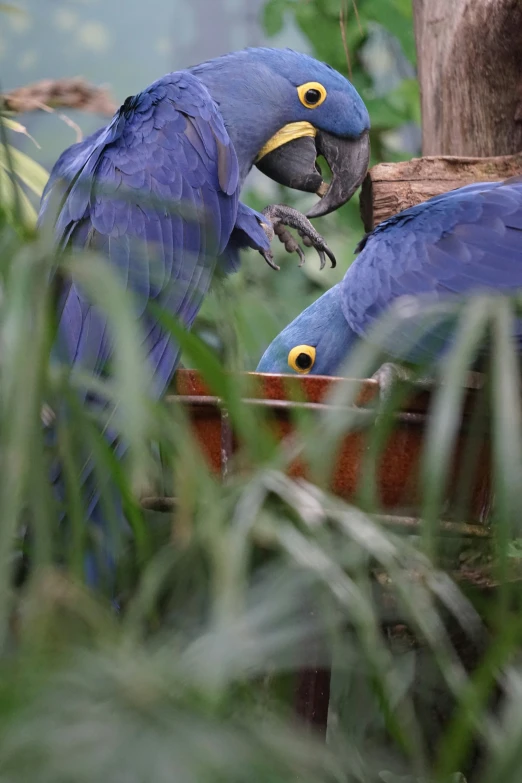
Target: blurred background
[371, 42]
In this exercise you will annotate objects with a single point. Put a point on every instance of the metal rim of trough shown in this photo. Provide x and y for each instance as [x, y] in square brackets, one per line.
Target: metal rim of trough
[192, 394]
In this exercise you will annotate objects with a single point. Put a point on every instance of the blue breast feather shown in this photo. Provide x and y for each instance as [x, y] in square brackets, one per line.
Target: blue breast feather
[467, 240]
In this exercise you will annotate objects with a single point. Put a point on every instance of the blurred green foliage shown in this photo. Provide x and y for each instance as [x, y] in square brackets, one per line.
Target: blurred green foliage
[227, 596]
[19, 175]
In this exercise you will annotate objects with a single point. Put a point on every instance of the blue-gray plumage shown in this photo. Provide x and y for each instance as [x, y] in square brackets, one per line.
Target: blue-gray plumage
[188, 141]
[466, 241]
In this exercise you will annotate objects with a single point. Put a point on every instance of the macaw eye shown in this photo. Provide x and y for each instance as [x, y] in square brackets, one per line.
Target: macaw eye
[302, 358]
[311, 94]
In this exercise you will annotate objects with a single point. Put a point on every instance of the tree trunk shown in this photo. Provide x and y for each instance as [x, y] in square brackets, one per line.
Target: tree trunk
[469, 55]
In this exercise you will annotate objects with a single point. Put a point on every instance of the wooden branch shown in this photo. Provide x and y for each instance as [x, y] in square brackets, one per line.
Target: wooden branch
[469, 55]
[48, 94]
[391, 187]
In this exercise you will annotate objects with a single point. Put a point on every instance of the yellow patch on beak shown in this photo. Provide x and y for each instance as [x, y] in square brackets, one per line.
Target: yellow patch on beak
[294, 130]
[322, 189]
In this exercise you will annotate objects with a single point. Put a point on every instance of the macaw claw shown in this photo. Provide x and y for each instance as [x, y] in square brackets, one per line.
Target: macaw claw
[281, 218]
[390, 374]
[269, 258]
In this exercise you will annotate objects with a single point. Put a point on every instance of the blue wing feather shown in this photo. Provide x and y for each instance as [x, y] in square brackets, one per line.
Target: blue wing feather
[247, 233]
[465, 241]
[168, 142]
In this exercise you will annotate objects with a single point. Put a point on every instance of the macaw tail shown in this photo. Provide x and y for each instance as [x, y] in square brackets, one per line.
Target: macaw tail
[103, 517]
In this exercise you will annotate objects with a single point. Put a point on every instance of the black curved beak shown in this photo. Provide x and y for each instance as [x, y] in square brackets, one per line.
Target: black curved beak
[294, 164]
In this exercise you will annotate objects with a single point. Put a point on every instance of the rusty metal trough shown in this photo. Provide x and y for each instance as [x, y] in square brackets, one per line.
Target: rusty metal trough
[398, 478]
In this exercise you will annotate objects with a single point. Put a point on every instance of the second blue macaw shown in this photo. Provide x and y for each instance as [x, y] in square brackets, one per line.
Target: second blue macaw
[465, 241]
[157, 191]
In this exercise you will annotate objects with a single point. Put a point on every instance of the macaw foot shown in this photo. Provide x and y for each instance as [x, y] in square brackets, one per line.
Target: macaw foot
[280, 219]
[389, 374]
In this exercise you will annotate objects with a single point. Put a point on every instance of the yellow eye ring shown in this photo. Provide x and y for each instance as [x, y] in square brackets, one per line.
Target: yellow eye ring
[312, 94]
[302, 358]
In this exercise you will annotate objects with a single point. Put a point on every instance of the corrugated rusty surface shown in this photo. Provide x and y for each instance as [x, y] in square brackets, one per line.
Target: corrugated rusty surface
[397, 476]
[313, 388]
[206, 422]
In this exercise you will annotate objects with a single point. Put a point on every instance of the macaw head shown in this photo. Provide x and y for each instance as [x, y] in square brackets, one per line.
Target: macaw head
[283, 110]
[316, 342]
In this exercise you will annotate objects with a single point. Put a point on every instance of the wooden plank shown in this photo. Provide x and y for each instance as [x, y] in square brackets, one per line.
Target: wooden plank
[391, 187]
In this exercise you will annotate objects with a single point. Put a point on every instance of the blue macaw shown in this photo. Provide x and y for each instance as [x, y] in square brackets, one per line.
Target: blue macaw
[465, 241]
[190, 139]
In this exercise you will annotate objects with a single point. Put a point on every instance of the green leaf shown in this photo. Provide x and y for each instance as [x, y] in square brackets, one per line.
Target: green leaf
[396, 17]
[383, 114]
[274, 16]
[17, 127]
[104, 288]
[11, 202]
[28, 170]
